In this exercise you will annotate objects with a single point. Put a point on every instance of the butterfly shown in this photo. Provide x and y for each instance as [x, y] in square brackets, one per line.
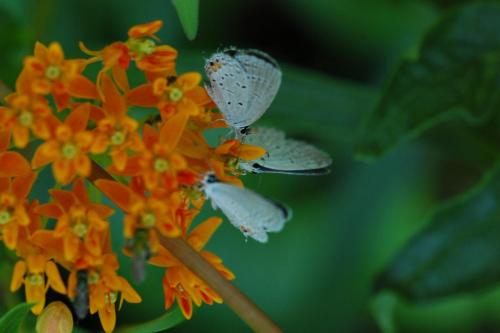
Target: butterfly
[253, 214]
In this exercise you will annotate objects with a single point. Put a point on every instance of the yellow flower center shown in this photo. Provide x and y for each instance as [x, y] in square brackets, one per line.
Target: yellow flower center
[80, 229]
[117, 138]
[93, 277]
[147, 46]
[5, 217]
[35, 279]
[111, 297]
[175, 94]
[233, 163]
[52, 72]
[26, 118]
[161, 165]
[148, 220]
[69, 150]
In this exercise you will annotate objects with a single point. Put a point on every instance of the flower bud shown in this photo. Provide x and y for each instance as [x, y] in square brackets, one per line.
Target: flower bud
[55, 318]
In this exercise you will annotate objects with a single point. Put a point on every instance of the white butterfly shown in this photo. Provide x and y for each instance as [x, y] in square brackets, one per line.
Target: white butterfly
[284, 155]
[243, 84]
[248, 211]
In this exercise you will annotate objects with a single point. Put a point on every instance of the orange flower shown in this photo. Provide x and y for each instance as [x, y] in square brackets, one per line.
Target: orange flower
[116, 129]
[32, 272]
[159, 163]
[25, 114]
[81, 224]
[104, 285]
[141, 48]
[67, 148]
[14, 213]
[179, 283]
[147, 213]
[182, 94]
[48, 72]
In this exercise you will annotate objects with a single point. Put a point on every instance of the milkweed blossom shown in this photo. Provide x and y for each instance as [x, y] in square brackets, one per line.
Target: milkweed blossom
[80, 125]
[89, 134]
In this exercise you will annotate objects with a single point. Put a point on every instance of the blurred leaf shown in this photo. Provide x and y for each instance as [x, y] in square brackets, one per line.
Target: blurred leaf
[164, 322]
[310, 100]
[383, 307]
[457, 76]
[459, 251]
[11, 321]
[187, 10]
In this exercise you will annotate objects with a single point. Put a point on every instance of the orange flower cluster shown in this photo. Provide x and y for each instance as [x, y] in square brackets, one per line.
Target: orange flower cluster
[77, 121]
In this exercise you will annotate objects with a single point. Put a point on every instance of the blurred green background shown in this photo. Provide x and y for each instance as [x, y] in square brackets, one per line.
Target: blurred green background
[318, 274]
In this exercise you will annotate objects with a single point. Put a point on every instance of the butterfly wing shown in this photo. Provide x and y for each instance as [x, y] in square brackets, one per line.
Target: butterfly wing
[243, 84]
[248, 211]
[229, 88]
[284, 155]
[264, 75]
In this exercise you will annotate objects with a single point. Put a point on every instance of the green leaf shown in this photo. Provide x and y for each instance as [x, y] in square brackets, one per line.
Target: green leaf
[164, 322]
[457, 253]
[383, 306]
[456, 76]
[187, 10]
[11, 321]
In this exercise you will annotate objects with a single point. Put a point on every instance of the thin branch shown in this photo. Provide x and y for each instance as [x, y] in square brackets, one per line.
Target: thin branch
[232, 296]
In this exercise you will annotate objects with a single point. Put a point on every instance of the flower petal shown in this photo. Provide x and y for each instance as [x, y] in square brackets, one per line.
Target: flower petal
[10, 233]
[50, 210]
[172, 130]
[142, 96]
[78, 118]
[54, 278]
[107, 316]
[55, 53]
[4, 140]
[18, 275]
[65, 198]
[13, 164]
[120, 194]
[80, 191]
[189, 80]
[186, 306]
[21, 186]
[128, 292]
[120, 76]
[81, 87]
[114, 103]
[145, 29]
[203, 232]
[44, 154]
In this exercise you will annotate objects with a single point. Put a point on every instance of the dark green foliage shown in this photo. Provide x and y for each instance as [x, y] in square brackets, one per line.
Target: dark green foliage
[455, 76]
